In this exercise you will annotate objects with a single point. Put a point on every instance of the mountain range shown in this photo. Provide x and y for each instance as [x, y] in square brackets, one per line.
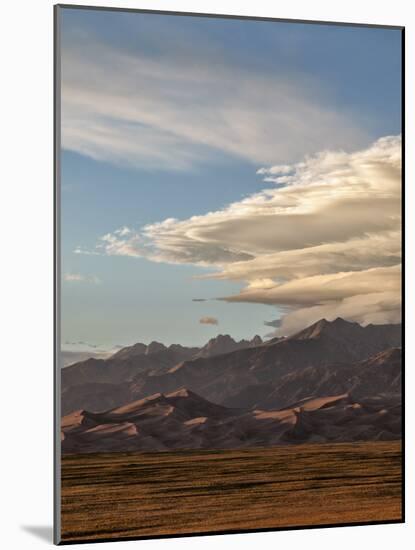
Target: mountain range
[333, 381]
[99, 384]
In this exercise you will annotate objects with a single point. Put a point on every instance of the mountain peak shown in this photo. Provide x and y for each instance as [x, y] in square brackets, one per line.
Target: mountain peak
[256, 340]
[323, 326]
[223, 343]
[154, 347]
[130, 351]
[222, 338]
[138, 349]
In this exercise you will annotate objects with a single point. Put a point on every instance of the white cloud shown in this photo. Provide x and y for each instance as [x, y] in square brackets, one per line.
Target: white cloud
[173, 111]
[78, 278]
[338, 208]
[73, 277]
[327, 242]
[367, 296]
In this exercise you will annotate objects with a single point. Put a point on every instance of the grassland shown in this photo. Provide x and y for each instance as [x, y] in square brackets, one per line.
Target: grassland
[150, 494]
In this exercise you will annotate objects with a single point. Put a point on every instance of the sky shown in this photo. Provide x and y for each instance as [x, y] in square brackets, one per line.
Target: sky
[218, 175]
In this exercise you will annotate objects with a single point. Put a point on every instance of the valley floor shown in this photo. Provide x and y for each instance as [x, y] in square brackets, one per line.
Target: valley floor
[124, 495]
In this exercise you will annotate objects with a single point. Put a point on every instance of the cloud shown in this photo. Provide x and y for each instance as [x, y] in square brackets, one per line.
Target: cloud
[80, 344]
[325, 242]
[276, 323]
[78, 278]
[368, 296]
[176, 111]
[376, 307]
[208, 321]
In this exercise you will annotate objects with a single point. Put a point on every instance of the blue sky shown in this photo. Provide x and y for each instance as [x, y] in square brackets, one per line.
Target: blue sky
[171, 117]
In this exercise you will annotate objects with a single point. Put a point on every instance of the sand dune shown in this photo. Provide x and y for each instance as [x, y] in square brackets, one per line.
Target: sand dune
[331, 382]
[175, 421]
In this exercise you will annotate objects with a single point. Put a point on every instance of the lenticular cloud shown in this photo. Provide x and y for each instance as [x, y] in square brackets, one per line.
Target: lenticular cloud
[322, 238]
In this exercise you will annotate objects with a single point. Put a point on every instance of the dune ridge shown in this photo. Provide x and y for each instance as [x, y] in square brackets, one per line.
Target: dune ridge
[332, 382]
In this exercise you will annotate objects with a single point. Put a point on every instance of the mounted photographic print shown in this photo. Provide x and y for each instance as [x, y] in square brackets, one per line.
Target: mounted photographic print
[228, 274]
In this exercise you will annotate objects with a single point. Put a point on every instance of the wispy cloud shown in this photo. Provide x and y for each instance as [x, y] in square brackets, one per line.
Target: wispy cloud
[174, 112]
[78, 278]
[276, 323]
[208, 321]
[81, 343]
[323, 239]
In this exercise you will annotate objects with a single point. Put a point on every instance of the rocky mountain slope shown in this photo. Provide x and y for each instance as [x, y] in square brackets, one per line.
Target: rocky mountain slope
[333, 381]
[100, 384]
